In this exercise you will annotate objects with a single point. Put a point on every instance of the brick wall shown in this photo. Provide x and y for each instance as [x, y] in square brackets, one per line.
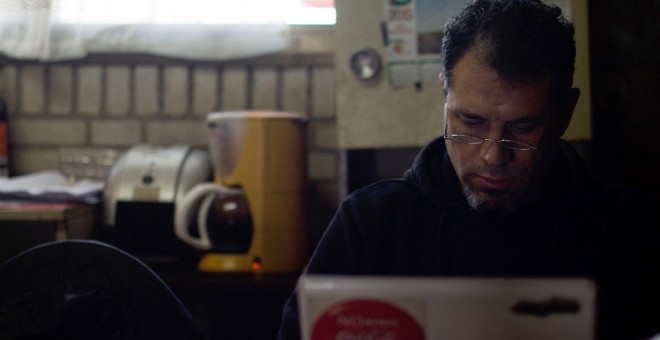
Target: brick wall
[114, 102]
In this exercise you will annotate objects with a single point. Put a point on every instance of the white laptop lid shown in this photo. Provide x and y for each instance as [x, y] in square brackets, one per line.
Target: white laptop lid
[359, 307]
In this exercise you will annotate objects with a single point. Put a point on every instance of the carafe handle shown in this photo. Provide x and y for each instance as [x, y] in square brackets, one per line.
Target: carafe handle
[184, 212]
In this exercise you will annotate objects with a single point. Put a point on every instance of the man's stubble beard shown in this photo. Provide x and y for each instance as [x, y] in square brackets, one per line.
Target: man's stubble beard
[498, 202]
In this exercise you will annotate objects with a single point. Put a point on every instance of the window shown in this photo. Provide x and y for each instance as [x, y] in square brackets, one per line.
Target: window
[311, 12]
[201, 29]
[292, 12]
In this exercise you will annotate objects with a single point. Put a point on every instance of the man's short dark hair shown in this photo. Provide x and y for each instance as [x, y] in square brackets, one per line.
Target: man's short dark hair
[523, 40]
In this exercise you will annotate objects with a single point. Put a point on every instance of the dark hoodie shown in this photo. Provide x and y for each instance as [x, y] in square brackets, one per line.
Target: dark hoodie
[421, 225]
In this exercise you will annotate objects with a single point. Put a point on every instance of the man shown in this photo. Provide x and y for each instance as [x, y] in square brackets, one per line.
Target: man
[500, 194]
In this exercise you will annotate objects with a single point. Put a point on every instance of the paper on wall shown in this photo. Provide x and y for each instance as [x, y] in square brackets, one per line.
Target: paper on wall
[414, 38]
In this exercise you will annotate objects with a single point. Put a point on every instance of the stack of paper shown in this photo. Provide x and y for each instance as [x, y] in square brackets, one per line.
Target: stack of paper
[50, 186]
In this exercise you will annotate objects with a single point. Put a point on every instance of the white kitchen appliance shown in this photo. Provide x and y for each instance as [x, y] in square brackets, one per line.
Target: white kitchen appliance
[141, 194]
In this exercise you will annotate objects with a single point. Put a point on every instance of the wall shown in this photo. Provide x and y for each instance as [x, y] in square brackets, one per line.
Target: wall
[373, 114]
[111, 102]
[625, 36]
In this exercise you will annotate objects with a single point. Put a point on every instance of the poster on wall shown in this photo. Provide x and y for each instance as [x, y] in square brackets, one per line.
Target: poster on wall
[413, 30]
[413, 38]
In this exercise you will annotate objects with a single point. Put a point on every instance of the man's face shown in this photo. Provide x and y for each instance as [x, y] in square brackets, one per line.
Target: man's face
[480, 103]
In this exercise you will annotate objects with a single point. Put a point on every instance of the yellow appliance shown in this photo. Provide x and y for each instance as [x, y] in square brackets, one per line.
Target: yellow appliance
[252, 217]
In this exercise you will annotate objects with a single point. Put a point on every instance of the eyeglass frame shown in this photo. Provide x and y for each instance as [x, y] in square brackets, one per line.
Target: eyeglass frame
[480, 141]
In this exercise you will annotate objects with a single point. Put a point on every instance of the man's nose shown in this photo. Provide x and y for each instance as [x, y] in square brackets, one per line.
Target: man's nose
[495, 154]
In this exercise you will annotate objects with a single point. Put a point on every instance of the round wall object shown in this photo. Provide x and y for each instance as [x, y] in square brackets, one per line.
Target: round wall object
[365, 64]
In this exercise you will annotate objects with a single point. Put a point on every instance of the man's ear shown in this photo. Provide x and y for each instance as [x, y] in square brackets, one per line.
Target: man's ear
[444, 88]
[567, 111]
[443, 82]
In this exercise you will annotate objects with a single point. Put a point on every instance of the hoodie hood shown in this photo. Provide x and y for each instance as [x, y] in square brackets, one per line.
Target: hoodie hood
[433, 174]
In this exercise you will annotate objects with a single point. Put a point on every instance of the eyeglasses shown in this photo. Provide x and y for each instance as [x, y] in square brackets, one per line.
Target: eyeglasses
[505, 143]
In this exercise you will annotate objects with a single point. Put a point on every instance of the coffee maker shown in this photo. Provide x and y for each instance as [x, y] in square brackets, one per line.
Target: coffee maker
[251, 218]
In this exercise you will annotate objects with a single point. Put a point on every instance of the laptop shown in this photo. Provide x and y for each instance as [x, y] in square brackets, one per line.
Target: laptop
[435, 308]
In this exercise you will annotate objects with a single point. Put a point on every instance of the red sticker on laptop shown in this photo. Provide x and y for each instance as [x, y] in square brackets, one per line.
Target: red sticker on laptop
[366, 319]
